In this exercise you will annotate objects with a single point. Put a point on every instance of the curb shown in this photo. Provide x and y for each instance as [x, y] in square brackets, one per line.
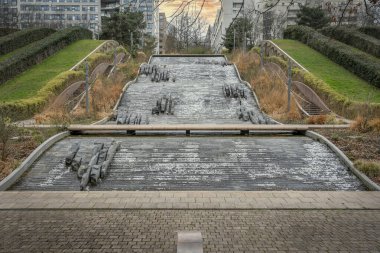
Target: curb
[25, 165]
[366, 181]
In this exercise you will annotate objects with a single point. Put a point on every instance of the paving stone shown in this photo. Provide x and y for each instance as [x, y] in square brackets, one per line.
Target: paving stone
[222, 230]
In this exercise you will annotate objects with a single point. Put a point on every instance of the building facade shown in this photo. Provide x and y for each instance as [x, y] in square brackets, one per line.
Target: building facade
[163, 25]
[147, 7]
[8, 13]
[271, 17]
[55, 14]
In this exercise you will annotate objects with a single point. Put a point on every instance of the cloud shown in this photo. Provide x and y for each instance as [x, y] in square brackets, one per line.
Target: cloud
[208, 12]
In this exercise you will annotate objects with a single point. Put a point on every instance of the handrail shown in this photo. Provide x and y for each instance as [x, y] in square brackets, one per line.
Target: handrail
[284, 53]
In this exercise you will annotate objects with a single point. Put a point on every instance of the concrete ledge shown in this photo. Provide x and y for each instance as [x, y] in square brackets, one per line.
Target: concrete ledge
[17, 173]
[199, 200]
[198, 127]
[366, 181]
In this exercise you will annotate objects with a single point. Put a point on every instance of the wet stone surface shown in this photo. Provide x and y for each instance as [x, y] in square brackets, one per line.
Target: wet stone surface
[197, 92]
[199, 163]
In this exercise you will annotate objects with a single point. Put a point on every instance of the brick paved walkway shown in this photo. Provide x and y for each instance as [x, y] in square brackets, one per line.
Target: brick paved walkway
[191, 200]
[223, 230]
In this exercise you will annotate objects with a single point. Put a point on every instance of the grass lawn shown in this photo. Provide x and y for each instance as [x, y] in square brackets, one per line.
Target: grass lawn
[27, 84]
[340, 79]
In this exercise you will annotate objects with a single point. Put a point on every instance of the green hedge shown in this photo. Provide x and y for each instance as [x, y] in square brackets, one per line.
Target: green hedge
[6, 31]
[373, 31]
[26, 108]
[39, 50]
[22, 38]
[354, 38]
[358, 62]
[337, 102]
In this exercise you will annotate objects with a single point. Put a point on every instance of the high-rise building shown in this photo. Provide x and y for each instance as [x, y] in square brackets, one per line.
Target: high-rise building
[271, 17]
[163, 23]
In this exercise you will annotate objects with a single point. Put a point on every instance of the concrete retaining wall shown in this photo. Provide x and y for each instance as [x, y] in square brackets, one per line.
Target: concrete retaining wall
[17, 173]
[366, 181]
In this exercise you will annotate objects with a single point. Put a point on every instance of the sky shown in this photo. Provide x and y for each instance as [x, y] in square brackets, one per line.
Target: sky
[208, 12]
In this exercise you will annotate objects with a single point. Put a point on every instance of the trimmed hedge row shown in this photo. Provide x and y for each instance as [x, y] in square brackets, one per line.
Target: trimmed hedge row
[337, 102]
[373, 31]
[359, 63]
[22, 38]
[6, 31]
[39, 50]
[26, 108]
[354, 38]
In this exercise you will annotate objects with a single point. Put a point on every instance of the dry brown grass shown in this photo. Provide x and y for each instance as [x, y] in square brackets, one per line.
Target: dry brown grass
[317, 119]
[360, 124]
[273, 97]
[375, 124]
[103, 96]
[364, 124]
[269, 88]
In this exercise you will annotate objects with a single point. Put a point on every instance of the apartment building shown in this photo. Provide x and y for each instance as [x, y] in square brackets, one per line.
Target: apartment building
[271, 17]
[8, 13]
[56, 14]
[163, 25]
[65, 13]
[229, 9]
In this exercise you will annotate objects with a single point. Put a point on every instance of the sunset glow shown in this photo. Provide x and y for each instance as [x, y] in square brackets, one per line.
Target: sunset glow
[208, 12]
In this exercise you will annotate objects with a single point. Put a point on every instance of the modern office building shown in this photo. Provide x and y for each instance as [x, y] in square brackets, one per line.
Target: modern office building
[51, 13]
[65, 13]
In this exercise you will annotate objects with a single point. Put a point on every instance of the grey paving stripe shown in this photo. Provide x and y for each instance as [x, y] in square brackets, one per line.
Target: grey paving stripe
[190, 200]
[222, 231]
[199, 163]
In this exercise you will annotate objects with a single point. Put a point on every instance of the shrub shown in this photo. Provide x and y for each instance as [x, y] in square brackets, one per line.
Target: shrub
[334, 100]
[360, 124]
[38, 51]
[255, 50]
[374, 124]
[354, 38]
[6, 31]
[278, 60]
[373, 31]
[317, 119]
[24, 108]
[22, 38]
[359, 63]
[371, 169]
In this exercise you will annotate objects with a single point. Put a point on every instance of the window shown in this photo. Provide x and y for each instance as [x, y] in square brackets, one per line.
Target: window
[237, 5]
